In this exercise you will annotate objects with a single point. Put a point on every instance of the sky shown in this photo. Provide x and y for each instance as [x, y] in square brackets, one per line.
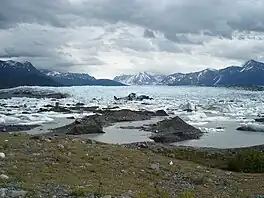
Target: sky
[105, 38]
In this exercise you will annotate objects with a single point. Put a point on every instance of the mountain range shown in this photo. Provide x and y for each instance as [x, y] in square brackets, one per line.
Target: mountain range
[250, 73]
[13, 74]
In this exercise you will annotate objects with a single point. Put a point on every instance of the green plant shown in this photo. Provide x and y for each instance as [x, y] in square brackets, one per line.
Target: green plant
[162, 193]
[187, 194]
[249, 161]
[78, 192]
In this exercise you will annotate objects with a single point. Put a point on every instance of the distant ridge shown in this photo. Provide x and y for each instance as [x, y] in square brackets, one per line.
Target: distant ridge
[14, 74]
[250, 73]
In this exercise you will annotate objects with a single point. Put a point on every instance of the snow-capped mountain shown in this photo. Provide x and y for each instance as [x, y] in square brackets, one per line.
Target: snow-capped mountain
[204, 77]
[142, 78]
[13, 74]
[69, 79]
[77, 79]
[250, 73]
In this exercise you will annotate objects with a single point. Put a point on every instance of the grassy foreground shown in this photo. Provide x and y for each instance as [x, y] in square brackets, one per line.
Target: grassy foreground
[44, 166]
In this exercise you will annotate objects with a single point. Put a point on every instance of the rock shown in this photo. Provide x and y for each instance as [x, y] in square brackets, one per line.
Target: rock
[18, 193]
[111, 108]
[133, 96]
[82, 108]
[259, 119]
[2, 155]
[87, 127]
[48, 140]
[70, 118]
[79, 104]
[48, 106]
[131, 127]
[174, 130]
[161, 113]
[155, 167]
[171, 163]
[61, 146]
[56, 108]
[143, 97]
[3, 192]
[25, 112]
[95, 123]
[4, 177]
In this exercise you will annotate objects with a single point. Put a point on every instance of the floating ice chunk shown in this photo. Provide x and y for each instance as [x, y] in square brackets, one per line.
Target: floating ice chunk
[197, 116]
[8, 119]
[252, 127]
[187, 107]
[197, 123]
[211, 130]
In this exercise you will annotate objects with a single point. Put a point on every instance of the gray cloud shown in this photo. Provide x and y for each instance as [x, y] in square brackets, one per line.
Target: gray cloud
[104, 36]
[149, 34]
[220, 18]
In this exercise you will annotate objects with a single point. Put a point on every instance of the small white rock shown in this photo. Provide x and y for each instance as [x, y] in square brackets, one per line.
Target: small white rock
[3, 176]
[171, 163]
[61, 146]
[6, 140]
[48, 140]
[2, 155]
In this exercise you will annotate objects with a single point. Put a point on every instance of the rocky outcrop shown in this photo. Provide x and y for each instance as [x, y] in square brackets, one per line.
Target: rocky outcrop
[259, 119]
[56, 108]
[173, 130]
[134, 97]
[95, 123]
[161, 113]
[86, 126]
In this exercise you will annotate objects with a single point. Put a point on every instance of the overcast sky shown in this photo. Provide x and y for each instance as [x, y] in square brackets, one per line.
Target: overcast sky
[110, 37]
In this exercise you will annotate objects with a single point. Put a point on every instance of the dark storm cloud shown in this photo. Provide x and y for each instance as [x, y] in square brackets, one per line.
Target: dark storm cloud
[218, 18]
[149, 34]
[86, 34]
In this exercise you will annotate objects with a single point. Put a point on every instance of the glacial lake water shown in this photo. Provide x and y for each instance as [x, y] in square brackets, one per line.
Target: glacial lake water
[215, 107]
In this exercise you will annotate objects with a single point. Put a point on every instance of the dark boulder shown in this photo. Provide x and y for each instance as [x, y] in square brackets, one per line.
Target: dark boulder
[259, 119]
[161, 113]
[143, 97]
[82, 108]
[174, 130]
[79, 104]
[134, 97]
[95, 123]
[58, 109]
[48, 106]
[87, 126]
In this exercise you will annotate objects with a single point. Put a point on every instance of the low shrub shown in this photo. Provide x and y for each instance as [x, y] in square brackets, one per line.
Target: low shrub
[248, 161]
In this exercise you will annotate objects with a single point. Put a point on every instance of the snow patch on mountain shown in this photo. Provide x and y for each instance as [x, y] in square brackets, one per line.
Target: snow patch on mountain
[142, 78]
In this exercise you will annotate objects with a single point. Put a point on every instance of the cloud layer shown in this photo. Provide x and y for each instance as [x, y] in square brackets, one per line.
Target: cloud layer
[110, 37]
